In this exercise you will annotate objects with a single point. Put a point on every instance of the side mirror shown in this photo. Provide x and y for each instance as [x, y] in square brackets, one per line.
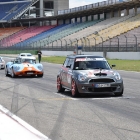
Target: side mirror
[113, 66]
[67, 66]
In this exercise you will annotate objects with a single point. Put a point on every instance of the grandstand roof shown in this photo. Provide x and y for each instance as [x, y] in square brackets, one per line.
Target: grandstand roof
[92, 11]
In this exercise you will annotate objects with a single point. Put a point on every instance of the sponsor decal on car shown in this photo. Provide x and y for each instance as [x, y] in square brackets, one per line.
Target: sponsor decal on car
[89, 59]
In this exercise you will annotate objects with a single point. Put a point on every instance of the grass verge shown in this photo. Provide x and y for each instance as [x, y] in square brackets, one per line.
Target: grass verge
[128, 65]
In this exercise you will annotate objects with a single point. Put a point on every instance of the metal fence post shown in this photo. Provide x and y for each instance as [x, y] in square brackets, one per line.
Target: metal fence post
[126, 42]
[71, 42]
[76, 45]
[95, 43]
[85, 44]
[65, 44]
[118, 44]
[102, 42]
[61, 44]
[109, 43]
[88, 43]
[136, 43]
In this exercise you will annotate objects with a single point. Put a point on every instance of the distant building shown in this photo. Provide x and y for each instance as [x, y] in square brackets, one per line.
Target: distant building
[50, 7]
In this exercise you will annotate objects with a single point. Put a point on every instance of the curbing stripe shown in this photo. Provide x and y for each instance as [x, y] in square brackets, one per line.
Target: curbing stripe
[23, 124]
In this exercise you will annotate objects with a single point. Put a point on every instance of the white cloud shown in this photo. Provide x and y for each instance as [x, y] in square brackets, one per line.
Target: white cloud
[77, 3]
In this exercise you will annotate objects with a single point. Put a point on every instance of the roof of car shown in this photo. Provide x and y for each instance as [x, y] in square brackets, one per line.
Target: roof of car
[25, 53]
[79, 56]
[26, 57]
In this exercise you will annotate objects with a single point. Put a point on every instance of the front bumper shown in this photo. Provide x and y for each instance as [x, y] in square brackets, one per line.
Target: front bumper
[115, 87]
[28, 73]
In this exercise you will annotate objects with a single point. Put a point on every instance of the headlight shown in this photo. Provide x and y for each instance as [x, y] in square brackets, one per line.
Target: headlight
[40, 68]
[82, 77]
[117, 76]
[16, 68]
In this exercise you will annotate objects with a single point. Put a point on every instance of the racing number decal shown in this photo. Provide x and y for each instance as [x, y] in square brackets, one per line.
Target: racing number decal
[69, 74]
[69, 78]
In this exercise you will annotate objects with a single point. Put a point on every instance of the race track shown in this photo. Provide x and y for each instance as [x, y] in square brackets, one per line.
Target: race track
[61, 117]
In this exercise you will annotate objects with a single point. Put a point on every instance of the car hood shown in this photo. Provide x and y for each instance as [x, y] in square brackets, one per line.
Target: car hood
[97, 72]
[28, 66]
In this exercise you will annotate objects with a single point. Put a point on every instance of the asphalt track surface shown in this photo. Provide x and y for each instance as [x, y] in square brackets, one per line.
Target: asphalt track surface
[61, 117]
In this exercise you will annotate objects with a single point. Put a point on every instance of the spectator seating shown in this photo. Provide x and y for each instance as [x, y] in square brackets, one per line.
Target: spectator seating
[24, 34]
[11, 9]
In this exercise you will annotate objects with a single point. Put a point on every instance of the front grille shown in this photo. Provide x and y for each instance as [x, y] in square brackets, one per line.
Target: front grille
[104, 80]
[100, 74]
[107, 89]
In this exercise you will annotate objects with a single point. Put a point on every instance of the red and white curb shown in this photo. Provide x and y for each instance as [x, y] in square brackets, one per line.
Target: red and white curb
[14, 128]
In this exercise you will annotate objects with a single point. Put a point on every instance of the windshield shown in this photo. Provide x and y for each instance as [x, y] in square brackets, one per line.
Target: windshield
[31, 61]
[29, 55]
[85, 65]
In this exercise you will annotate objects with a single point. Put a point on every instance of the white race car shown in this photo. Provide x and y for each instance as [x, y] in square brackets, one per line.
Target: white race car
[26, 55]
[2, 63]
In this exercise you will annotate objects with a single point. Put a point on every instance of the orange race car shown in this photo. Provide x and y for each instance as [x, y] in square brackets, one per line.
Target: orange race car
[23, 67]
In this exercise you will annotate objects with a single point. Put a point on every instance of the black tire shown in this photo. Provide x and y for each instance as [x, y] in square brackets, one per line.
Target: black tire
[6, 72]
[74, 90]
[59, 85]
[13, 74]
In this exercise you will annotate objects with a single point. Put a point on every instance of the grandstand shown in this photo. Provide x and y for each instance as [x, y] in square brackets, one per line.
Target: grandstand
[47, 25]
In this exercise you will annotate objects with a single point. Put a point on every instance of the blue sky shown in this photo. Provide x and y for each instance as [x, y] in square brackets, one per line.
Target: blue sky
[76, 3]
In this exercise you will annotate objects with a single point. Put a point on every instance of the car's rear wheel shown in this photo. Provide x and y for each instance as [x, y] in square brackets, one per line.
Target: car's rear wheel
[74, 90]
[59, 85]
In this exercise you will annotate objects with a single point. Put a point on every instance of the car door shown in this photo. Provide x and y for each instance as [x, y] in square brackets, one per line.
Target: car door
[63, 73]
[69, 73]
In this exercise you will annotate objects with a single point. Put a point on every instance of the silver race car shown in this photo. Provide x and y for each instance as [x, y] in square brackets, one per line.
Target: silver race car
[89, 74]
[2, 63]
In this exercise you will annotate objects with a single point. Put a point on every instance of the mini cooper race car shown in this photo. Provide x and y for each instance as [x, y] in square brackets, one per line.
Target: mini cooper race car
[2, 63]
[89, 74]
[23, 67]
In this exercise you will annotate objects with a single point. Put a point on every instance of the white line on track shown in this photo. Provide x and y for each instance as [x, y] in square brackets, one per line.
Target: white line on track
[106, 98]
[64, 96]
[11, 127]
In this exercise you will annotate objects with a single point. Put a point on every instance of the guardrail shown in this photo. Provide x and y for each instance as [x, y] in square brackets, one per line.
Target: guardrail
[72, 48]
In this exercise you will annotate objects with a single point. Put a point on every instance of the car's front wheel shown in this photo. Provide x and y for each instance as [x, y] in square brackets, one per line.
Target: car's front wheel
[13, 74]
[74, 90]
[59, 85]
